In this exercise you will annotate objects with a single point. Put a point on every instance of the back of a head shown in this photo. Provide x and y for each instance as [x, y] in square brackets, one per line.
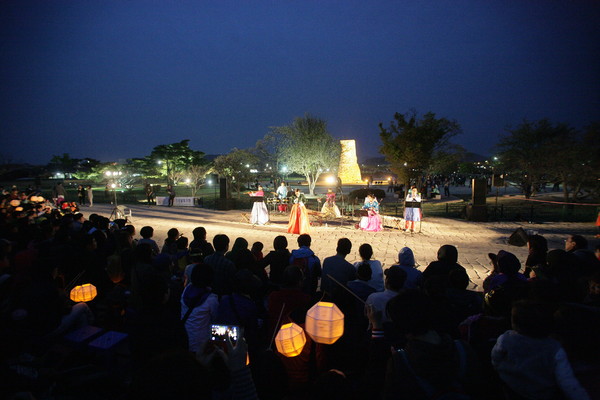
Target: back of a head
[280, 243]
[366, 251]
[508, 263]
[304, 240]
[221, 242]
[240, 244]
[257, 246]
[143, 253]
[448, 254]
[533, 319]
[292, 276]
[411, 311]
[395, 277]
[199, 233]
[364, 272]
[182, 243]
[172, 233]
[406, 257]
[344, 246]
[146, 232]
[537, 243]
[202, 275]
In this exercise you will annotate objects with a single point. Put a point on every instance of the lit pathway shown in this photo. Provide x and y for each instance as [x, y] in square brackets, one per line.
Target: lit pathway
[473, 240]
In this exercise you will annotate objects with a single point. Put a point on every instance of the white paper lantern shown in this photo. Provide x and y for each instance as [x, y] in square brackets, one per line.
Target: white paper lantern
[83, 293]
[325, 322]
[290, 340]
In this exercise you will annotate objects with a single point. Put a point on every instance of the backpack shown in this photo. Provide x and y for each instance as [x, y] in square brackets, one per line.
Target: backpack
[454, 392]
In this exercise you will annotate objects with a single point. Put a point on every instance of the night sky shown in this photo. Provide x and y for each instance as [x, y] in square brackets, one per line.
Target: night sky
[112, 79]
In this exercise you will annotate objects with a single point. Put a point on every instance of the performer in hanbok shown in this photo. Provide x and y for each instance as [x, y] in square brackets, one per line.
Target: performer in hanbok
[260, 214]
[330, 209]
[412, 214]
[372, 222]
[282, 192]
[299, 222]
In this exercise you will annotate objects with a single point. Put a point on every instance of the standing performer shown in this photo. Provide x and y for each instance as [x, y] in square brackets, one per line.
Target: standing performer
[412, 209]
[282, 192]
[149, 194]
[260, 214]
[372, 222]
[171, 193]
[299, 222]
[330, 209]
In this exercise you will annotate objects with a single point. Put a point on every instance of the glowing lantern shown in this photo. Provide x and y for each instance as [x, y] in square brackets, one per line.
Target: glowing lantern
[290, 340]
[325, 322]
[84, 293]
[15, 203]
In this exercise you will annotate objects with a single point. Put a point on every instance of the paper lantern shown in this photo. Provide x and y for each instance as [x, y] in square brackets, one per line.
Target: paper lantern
[15, 203]
[325, 322]
[84, 293]
[290, 340]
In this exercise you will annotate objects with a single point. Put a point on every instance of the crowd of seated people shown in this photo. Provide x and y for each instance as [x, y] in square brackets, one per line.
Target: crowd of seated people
[409, 333]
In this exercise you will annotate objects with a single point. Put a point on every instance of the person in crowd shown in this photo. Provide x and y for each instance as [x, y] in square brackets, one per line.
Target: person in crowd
[199, 307]
[146, 233]
[530, 363]
[394, 281]
[256, 250]
[366, 252]
[429, 363]
[90, 195]
[360, 286]
[336, 267]
[537, 246]
[447, 260]
[309, 264]
[200, 244]
[406, 261]
[277, 260]
[224, 269]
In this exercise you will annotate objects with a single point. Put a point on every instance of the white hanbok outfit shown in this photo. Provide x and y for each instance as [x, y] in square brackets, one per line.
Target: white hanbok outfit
[260, 214]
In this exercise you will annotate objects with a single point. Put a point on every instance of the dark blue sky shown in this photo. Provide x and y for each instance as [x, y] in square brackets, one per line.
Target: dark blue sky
[112, 79]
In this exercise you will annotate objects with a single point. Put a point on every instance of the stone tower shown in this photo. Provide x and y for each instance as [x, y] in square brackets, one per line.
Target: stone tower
[349, 171]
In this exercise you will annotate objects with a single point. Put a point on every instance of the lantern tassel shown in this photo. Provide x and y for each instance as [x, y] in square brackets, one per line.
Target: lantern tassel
[349, 291]
[276, 325]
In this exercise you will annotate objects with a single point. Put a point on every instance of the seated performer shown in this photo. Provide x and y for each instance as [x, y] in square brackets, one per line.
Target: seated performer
[330, 209]
[260, 214]
[412, 214]
[372, 222]
[299, 222]
[282, 193]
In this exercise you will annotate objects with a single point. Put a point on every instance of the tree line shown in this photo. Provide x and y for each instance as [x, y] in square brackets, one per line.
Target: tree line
[530, 154]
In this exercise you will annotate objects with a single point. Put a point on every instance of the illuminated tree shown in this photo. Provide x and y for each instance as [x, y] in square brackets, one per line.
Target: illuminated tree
[410, 144]
[176, 158]
[307, 148]
[236, 167]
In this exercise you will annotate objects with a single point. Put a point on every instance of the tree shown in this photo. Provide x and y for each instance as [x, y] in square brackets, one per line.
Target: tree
[307, 148]
[540, 151]
[196, 175]
[236, 167]
[175, 158]
[410, 144]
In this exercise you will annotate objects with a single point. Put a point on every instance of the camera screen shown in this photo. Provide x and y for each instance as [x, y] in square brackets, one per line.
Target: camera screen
[220, 332]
